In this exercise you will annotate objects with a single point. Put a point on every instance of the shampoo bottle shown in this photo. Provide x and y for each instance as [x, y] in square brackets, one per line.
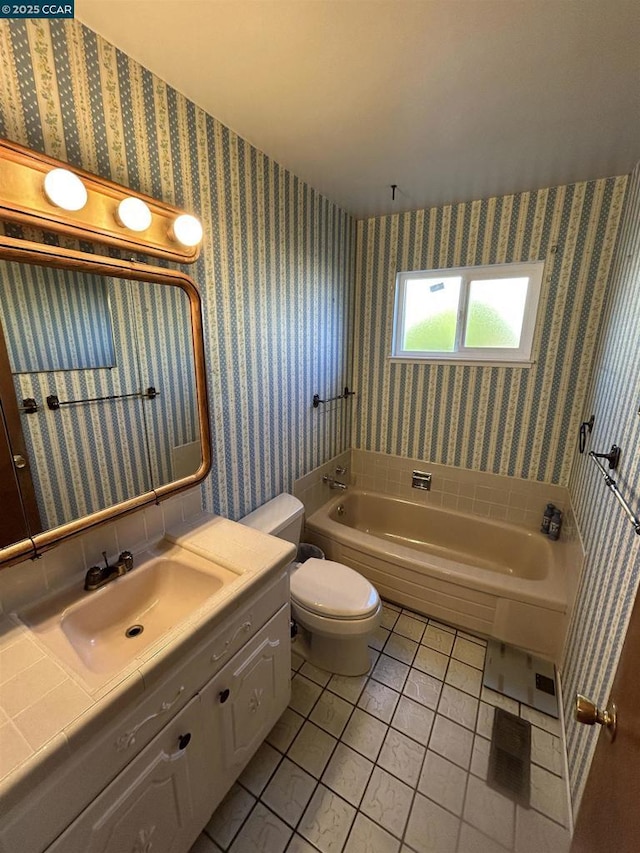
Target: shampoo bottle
[555, 524]
[546, 518]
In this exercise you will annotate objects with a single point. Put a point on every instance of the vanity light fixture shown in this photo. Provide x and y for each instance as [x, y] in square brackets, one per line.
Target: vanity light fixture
[65, 190]
[187, 230]
[134, 214]
[38, 191]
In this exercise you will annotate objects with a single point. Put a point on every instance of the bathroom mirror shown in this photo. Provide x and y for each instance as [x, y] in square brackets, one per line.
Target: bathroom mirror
[125, 422]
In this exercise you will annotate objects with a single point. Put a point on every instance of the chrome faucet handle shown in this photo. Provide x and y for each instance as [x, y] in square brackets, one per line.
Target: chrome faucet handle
[327, 478]
[93, 578]
[341, 469]
[126, 559]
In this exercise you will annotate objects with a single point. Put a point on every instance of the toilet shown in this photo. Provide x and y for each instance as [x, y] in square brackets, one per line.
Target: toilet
[335, 609]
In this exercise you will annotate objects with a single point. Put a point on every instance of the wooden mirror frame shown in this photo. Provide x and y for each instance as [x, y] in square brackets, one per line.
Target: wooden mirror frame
[24, 251]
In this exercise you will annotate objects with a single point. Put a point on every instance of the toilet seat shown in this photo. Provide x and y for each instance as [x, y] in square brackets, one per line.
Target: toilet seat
[333, 590]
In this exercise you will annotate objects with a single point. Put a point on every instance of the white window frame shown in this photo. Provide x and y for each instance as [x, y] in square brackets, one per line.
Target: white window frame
[520, 356]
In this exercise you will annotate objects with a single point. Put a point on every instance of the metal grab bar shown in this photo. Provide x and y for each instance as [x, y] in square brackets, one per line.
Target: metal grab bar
[54, 404]
[345, 394]
[611, 484]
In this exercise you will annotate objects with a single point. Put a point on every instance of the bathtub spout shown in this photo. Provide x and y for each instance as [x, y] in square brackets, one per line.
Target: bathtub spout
[333, 484]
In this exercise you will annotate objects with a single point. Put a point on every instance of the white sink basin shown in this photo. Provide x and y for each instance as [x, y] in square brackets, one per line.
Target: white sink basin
[98, 634]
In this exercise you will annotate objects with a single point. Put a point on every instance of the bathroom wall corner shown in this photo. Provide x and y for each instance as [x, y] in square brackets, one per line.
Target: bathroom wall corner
[313, 492]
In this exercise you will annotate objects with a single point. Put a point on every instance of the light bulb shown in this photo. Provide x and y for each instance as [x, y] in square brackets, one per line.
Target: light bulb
[134, 214]
[65, 190]
[187, 230]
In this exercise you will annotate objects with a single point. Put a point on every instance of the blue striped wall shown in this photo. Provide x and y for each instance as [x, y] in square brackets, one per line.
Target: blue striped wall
[612, 568]
[275, 271]
[504, 420]
[66, 313]
[152, 347]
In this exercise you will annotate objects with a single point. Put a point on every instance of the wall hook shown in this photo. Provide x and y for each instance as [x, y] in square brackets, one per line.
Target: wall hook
[612, 457]
[394, 187]
[585, 428]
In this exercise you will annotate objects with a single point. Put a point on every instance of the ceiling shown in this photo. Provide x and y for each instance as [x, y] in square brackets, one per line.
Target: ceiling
[451, 100]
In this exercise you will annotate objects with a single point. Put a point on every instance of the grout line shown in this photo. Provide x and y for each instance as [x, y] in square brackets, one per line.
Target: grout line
[338, 739]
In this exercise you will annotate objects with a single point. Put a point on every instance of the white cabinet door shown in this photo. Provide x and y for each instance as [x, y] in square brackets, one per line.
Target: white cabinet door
[248, 696]
[156, 805]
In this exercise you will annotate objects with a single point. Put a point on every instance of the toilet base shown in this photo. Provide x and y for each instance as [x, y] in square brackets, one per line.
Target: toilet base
[337, 646]
[342, 656]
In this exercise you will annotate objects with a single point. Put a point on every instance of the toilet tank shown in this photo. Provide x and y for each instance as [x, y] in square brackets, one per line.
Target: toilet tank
[282, 517]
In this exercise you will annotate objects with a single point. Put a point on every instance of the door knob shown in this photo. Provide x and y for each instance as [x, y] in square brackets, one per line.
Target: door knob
[589, 714]
[19, 461]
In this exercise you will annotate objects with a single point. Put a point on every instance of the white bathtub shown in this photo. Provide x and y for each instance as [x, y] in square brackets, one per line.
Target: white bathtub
[485, 576]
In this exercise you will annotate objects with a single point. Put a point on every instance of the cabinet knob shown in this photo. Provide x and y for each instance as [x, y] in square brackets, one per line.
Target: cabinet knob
[183, 740]
[224, 695]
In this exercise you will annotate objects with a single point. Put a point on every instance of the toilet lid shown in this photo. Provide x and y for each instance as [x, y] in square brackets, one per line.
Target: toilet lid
[331, 589]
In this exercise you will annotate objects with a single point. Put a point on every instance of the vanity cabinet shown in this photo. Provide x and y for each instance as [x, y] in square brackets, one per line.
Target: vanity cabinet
[249, 695]
[161, 801]
[129, 768]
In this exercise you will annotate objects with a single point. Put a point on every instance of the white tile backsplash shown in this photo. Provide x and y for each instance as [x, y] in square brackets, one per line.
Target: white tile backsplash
[67, 562]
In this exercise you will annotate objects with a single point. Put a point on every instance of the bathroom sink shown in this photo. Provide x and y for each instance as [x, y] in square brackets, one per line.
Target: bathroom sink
[100, 633]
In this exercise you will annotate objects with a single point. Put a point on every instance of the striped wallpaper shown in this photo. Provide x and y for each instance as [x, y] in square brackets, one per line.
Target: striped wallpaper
[504, 420]
[67, 313]
[275, 271]
[283, 300]
[124, 445]
[612, 568]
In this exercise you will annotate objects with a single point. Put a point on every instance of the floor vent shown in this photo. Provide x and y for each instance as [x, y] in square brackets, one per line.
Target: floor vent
[510, 757]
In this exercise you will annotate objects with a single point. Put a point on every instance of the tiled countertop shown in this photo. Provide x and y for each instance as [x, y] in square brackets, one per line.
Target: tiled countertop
[43, 703]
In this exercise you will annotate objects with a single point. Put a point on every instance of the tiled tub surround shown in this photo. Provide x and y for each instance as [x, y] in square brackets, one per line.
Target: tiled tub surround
[394, 761]
[48, 712]
[494, 496]
[312, 491]
[476, 492]
[528, 608]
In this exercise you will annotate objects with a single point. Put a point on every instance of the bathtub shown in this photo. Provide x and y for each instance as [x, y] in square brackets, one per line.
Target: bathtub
[489, 577]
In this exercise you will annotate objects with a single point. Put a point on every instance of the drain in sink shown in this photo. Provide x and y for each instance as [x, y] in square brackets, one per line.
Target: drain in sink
[134, 631]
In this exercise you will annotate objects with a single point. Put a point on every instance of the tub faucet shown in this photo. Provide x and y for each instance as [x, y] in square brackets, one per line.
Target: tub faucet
[98, 576]
[333, 483]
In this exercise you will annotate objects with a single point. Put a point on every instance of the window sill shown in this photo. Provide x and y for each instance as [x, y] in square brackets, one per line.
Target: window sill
[525, 365]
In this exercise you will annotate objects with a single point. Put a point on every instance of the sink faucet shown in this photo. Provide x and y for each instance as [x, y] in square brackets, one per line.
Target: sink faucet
[98, 576]
[333, 483]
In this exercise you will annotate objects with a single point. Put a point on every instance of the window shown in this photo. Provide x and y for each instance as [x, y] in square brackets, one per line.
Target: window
[467, 313]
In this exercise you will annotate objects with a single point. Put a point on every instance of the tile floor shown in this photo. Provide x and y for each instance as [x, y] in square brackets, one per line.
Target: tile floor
[394, 761]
